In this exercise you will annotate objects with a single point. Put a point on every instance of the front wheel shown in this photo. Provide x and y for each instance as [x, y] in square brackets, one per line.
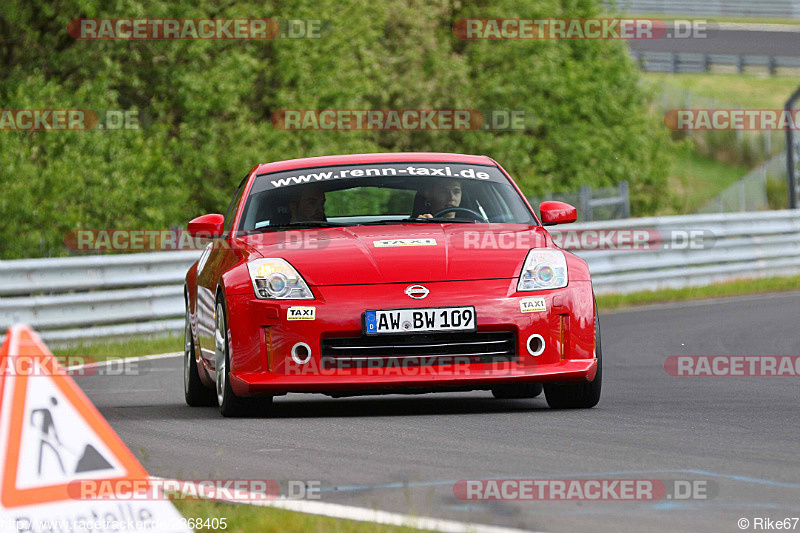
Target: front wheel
[579, 395]
[196, 394]
[230, 405]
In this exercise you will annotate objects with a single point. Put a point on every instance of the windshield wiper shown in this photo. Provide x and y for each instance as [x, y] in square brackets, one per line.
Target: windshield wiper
[312, 224]
[298, 224]
[415, 221]
[446, 220]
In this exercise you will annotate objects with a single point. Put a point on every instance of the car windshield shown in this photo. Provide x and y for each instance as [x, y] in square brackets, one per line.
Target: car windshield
[382, 193]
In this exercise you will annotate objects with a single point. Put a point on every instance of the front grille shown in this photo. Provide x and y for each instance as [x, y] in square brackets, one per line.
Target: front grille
[419, 349]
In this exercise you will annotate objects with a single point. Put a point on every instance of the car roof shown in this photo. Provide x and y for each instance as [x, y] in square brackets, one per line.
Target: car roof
[355, 159]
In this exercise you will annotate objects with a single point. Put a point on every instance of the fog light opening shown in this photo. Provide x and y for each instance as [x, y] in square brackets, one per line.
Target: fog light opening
[535, 345]
[301, 353]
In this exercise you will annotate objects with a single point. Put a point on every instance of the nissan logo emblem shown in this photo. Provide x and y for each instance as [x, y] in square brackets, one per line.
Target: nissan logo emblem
[418, 292]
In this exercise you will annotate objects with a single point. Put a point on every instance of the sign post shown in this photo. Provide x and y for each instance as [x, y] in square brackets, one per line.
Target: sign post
[792, 154]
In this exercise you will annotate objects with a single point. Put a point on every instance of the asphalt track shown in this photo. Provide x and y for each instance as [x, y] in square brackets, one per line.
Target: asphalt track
[727, 41]
[404, 453]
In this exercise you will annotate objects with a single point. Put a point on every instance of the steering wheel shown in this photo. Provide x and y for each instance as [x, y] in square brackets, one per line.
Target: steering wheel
[474, 214]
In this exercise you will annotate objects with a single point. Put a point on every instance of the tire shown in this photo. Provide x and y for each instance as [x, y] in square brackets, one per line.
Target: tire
[579, 395]
[517, 391]
[196, 394]
[231, 405]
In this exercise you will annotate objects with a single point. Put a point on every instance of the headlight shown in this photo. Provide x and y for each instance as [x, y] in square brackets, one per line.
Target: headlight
[543, 269]
[276, 279]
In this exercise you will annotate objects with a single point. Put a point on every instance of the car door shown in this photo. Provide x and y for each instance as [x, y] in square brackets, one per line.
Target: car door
[209, 273]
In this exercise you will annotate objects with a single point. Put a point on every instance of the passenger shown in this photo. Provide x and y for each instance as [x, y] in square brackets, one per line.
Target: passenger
[308, 204]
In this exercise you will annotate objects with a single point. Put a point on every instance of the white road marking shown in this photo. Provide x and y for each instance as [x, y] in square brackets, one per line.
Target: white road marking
[131, 359]
[126, 391]
[700, 302]
[745, 26]
[360, 514]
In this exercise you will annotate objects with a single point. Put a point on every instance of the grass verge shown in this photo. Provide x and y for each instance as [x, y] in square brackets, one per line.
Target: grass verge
[248, 518]
[733, 288]
[696, 179]
[125, 348]
[748, 90]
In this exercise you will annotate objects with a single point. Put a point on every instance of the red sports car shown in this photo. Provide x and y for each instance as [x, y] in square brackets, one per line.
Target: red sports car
[385, 274]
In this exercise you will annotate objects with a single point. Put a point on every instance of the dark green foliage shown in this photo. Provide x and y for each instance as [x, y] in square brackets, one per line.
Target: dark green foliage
[205, 106]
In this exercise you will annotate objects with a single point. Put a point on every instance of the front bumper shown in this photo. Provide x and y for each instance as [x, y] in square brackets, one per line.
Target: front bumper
[262, 335]
[436, 377]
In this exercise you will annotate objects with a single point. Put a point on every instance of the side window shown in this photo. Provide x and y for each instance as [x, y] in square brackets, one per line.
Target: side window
[231, 212]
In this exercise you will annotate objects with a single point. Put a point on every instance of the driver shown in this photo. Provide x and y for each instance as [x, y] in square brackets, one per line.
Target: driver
[308, 204]
[442, 194]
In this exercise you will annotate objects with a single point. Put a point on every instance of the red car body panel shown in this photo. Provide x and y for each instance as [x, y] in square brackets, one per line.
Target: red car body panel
[347, 277]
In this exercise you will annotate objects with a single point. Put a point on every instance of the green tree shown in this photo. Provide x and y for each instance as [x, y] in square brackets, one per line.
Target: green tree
[205, 106]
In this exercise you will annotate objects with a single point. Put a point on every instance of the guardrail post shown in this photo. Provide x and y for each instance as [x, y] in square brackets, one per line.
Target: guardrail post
[740, 64]
[640, 60]
[739, 135]
[773, 65]
[791, 165]
[687, 104]
[624, 199]
[586, 202]
[675, 65]
[742, 197]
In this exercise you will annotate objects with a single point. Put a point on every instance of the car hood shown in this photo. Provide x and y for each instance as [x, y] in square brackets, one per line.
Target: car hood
[403, 253]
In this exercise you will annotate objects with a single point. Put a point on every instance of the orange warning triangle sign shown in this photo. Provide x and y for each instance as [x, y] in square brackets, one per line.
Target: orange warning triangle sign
[50, 432]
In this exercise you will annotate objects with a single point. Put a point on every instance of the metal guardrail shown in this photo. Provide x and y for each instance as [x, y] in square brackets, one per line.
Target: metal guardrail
[746, 245]
[730, 8]
[675, 62]
[85, 298]
[32, 276]
[74, 299]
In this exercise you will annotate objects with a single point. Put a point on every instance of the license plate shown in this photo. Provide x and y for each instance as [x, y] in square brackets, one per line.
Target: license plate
[378, 321]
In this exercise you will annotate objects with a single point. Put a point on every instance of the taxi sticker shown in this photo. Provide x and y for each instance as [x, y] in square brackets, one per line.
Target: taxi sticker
[392, 243]
[301, 313]
[532, 305]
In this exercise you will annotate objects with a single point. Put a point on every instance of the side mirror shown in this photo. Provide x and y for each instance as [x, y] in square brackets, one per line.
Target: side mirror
[557, 213]
[207, 226]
